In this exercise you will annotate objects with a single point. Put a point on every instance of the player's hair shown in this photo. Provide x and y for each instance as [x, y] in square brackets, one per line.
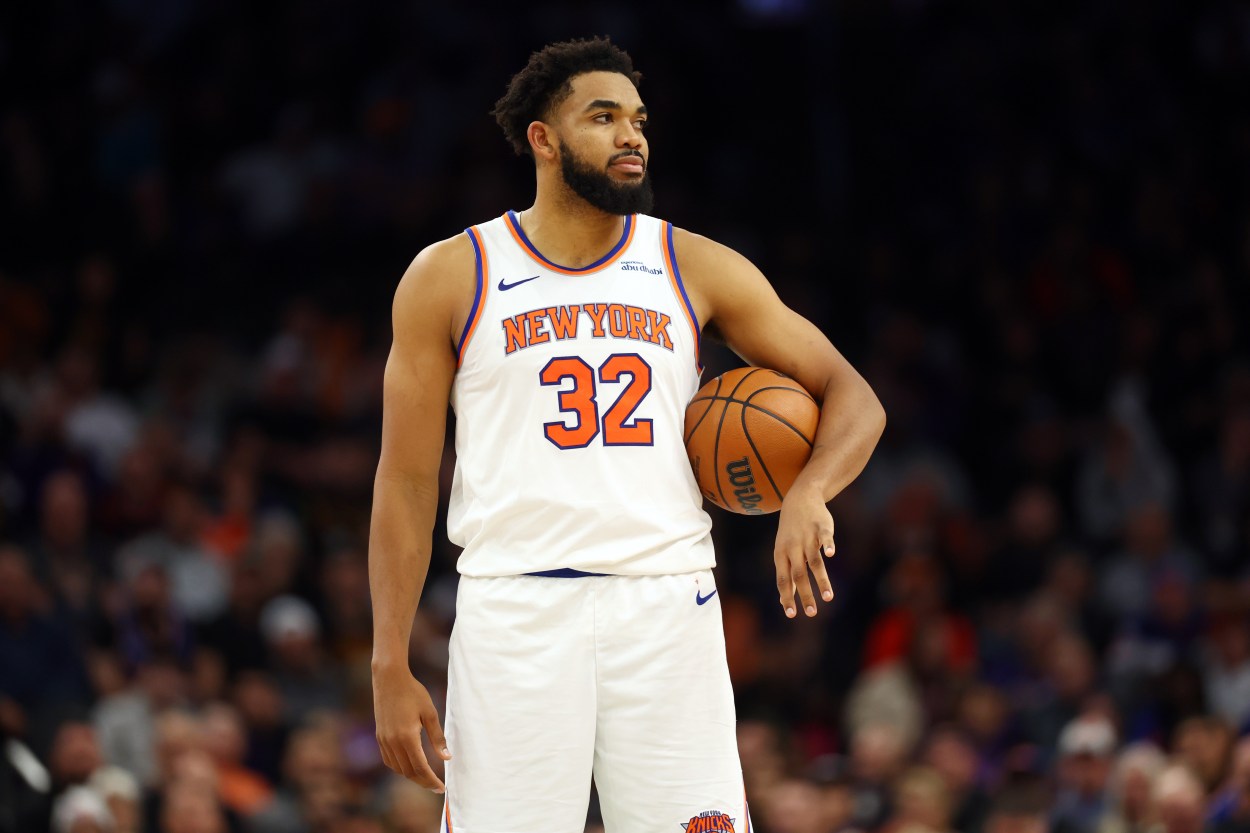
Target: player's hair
[545, 82]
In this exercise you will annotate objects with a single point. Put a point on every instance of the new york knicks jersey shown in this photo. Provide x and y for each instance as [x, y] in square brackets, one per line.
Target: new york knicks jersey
[570, 399]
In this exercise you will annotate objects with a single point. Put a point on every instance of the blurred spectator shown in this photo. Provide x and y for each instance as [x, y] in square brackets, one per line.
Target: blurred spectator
[879, 753]
[235, 634]
[938, 645]
[121, 793]
[67, 557]
[1125, 470]
[302, 673]
[1178, 801]
[1130, 807]
[1204, 744]
[1086, 751]
[1021, 807]
[126, 721]
[102, 424]
[349, 614]
[1229, 809]
[1221, 485]
[410, 808]
[198, 580]
[1226, 674]
[75, 755]
[242, 790]
[795, 806]
[42, 678]
[953, 757]
[1151, 553]
[921, 803]
[312, 778]
[150, 624]
[81, 810]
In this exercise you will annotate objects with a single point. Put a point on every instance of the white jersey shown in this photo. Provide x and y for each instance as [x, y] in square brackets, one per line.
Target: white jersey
[570, 401]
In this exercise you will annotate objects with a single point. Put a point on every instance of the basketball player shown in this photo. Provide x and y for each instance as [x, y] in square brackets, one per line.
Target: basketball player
[565, 336]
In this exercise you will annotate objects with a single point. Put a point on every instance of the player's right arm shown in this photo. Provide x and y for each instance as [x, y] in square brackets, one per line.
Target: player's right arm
[431, 303]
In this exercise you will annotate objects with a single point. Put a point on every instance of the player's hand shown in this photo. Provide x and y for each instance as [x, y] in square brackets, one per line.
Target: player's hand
[804, 534]
[401, 707]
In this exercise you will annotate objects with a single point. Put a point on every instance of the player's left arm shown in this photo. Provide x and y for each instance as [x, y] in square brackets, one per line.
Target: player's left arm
[729, 293]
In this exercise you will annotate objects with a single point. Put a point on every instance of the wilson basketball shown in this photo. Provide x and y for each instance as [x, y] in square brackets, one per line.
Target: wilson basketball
[749, 432]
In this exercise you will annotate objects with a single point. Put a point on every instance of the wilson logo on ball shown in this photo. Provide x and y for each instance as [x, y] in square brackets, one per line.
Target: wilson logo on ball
[743, 481]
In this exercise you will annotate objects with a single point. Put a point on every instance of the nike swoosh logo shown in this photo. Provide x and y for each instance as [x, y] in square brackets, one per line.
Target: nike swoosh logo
[699, 598]
[504, 287]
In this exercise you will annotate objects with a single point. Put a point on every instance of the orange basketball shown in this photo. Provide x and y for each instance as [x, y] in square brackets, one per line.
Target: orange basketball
[749, 432]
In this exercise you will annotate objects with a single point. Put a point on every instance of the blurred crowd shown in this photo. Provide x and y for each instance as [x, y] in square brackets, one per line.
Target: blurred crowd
[1029, 226]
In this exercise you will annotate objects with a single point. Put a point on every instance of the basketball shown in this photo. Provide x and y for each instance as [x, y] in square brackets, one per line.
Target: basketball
[748, 434]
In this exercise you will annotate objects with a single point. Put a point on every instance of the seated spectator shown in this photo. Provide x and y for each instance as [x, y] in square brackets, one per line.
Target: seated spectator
[198, 579]
[953, 757]
[302, 672]
[410, 808]
[1130, 806]
[1204, 744]
[81, 810]
[1020, 807]
[1179, 801]
[126, 721]
[1226, 670]
[120, 791]
[241, 789]
[1086, 749]
[1150, 552]
[922, 804]
[41, 669]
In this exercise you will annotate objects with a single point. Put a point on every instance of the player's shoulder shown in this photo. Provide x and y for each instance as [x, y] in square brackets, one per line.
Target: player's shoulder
[699, 255]
[445, 269]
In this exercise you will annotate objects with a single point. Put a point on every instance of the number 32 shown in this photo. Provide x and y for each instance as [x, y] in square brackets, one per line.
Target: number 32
[580, 401]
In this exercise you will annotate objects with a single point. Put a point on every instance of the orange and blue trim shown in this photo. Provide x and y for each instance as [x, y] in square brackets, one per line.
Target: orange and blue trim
[447, 815]
[518, 234]
[482, 270]
[679, 289]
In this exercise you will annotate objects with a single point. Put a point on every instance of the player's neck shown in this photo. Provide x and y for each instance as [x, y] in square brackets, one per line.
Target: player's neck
[570, 231]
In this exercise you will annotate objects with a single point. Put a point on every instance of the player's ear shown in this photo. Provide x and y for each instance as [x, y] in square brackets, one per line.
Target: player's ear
[542, 141]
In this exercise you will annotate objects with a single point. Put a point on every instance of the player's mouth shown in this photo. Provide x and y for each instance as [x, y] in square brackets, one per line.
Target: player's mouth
[629, 164]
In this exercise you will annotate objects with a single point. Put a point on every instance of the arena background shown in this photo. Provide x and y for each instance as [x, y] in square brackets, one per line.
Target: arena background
[1028, 224]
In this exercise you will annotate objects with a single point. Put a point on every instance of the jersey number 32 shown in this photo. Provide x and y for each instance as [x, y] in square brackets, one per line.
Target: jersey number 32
[580, 400]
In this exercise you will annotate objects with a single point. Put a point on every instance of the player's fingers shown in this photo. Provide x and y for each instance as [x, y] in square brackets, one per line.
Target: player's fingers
[785, 586]
[387, 757]
[417, 768]
[798, 574]
[817, 565]
[429, 719]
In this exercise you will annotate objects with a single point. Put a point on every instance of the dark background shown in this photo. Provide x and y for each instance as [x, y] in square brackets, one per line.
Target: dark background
[1027, 224]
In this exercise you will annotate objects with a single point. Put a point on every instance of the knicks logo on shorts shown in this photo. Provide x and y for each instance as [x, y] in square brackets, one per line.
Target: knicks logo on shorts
[710, 821]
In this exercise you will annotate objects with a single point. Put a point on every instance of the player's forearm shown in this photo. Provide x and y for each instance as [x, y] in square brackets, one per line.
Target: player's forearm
[851, 423]
[400, 542]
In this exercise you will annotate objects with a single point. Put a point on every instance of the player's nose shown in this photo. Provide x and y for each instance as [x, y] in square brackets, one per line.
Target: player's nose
[629, 137]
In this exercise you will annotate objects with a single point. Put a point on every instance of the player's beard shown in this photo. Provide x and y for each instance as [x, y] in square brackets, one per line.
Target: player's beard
[598, 188]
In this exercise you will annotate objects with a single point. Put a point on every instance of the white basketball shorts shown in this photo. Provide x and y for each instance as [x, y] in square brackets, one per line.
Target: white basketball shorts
[551, 679]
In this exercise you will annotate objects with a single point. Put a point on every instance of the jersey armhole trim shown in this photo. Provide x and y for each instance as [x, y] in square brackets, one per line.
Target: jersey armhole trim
[679, 289]
[482, 274]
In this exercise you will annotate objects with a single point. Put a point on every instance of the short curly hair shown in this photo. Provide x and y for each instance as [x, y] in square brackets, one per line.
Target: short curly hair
[545, 82]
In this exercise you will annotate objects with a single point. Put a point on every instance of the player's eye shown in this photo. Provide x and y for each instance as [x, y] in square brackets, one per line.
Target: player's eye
[641, 124]
[604, 118]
